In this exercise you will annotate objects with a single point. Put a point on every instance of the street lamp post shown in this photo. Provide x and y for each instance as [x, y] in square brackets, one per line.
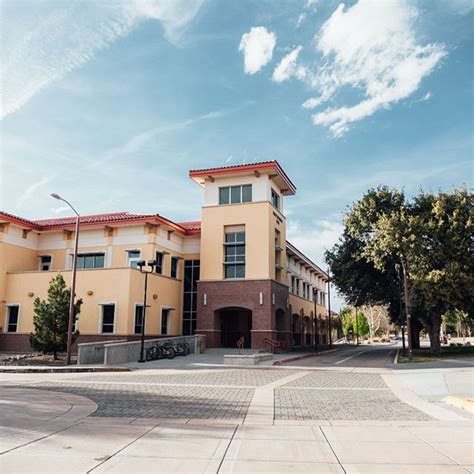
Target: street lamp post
[329, 310]
[73, 281]
[140, 265]
[407, 310]
[397, 268]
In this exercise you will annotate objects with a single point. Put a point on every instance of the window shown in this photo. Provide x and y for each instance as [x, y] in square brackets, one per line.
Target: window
[45, 263]
[138, 319]
[159, 263]
[275, 199]
[174, 267]
[191, 277]
[90, 260]
[235, 194]
[12, 318]
[165, 316]
[133, 258]
[108, 318]
[234, 255]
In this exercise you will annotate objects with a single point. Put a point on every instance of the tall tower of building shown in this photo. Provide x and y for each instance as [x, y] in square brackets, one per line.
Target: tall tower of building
[243, 289]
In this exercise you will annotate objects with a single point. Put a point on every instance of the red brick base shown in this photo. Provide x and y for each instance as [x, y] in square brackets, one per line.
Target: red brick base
[266, 299]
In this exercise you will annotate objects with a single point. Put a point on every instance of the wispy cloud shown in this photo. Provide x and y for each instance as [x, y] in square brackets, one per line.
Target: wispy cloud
[257, 47]
[31, 190]
[385, 62]
[62, 36]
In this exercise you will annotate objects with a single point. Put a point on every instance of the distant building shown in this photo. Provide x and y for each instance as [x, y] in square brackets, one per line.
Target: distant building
[231, 275]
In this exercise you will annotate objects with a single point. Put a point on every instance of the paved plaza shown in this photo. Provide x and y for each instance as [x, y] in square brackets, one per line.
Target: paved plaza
[330, 417]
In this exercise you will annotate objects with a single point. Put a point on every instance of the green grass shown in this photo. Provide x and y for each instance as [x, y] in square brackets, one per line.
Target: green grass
[424, 355]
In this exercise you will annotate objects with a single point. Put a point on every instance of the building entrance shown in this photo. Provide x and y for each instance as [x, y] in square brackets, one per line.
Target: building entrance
[235, 323]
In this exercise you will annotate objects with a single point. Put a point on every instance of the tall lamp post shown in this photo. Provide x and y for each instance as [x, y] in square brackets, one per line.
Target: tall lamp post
[73, 281]
[140, 265]
[397, 268]
[329, 310]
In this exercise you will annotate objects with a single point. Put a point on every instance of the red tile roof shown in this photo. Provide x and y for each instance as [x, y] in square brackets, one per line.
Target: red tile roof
[100, 219]
[246, 167]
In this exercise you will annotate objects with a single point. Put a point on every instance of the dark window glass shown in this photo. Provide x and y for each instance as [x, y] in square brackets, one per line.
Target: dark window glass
[188, 276]
[235, 194]
[234, 255]
[247, 193]
[164, 321]
[108, 317]
[224, 195]
[275, 199]
[13, 318]
[174, 267]
[187, 301]
[138, 319]
[159, 263]
[90, 260]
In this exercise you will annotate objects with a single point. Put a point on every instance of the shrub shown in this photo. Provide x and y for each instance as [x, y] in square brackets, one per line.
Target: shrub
[383, 340]
[452, 344]
[468, 343]
[375, 339]
[460, 344]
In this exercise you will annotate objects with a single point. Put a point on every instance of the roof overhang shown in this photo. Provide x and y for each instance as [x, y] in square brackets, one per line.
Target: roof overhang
[270, 168]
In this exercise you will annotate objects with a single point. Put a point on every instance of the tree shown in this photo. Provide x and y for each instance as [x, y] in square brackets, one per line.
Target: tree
[347, 321]
[51, 319]
[430, 237]
[361, 326]
[357, 278]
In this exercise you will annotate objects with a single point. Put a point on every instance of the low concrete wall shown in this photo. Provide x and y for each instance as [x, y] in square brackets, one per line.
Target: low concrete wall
[250, 359]
[110, 353]
[93, 352]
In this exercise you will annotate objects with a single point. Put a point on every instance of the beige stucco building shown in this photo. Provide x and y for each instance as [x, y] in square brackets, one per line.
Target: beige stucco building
[231, 275]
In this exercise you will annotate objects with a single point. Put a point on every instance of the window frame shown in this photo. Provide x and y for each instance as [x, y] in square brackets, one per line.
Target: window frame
[232, 265]
[138, 305]
[162, 262]
[275, 199]
[101, 327]
[229, 190]
[50, 263]
[7, 317]
[168, 313]
[88, 254]
[133, 259]
[174, 260]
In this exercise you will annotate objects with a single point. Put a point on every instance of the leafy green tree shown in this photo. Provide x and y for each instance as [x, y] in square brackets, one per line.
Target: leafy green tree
[347, 321]
[431, 238]
[357, 278]
[361, 325]
[51, 319]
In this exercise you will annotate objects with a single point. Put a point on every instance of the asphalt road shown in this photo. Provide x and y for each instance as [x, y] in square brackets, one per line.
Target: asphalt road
[362, 356]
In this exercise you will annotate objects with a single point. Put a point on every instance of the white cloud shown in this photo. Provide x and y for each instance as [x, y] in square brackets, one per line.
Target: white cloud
[372, 48]
[42, 46]
[30, 191]
[314, 239]
[257, 47]
[288, 67]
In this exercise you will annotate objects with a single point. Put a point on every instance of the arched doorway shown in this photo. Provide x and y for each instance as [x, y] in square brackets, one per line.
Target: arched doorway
[235, 323]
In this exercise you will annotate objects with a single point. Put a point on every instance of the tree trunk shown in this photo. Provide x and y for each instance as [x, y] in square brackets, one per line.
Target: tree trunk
[434, 327]
[416, 328]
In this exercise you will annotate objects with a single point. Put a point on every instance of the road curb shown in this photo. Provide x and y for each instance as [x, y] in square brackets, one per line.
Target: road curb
[397, 354]
[459, 402]
[48, 370]
[301, 357]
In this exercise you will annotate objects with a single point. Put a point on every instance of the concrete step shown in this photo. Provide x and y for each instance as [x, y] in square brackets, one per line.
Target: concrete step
[230, 350]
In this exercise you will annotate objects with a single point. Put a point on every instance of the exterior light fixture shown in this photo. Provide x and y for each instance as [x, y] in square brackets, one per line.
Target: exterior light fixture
[204, 299]
[260, 298]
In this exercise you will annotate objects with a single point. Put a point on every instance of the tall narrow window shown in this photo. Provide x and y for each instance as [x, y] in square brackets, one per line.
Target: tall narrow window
[133, 257]
[138, 319]
[165, 316]
[191, 277]
[275, 199]
[12, 318]
[174, 267]
[45, 263]
[159, 263]
[234, 263]
[108, 318]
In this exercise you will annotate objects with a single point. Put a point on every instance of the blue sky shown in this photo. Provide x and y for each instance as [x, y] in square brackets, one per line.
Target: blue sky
[111, 103]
